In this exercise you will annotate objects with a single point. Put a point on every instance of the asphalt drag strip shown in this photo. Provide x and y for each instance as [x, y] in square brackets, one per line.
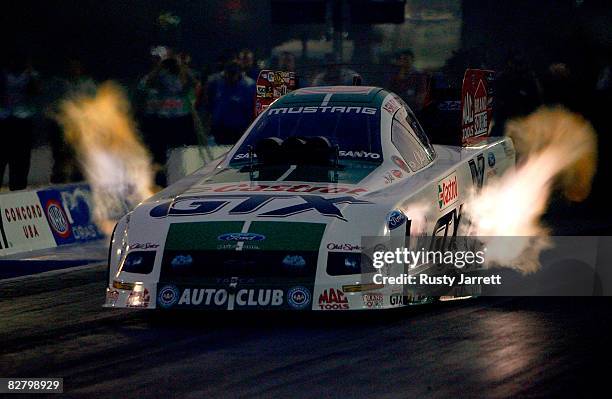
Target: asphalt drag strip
[54, 326]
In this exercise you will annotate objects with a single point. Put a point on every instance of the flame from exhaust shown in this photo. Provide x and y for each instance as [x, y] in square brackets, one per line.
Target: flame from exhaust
[556, 148]
[114, 161]
[418, 221]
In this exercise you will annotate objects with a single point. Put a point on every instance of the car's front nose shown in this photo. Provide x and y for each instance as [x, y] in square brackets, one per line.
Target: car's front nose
[236, 264]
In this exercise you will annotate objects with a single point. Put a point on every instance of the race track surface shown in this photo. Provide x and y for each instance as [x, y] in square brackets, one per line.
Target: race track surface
[53, 326]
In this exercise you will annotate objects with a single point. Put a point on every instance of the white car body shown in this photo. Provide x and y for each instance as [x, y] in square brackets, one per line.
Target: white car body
[155, 226]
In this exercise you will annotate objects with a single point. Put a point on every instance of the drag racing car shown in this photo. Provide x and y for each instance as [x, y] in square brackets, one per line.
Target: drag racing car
[278, 222]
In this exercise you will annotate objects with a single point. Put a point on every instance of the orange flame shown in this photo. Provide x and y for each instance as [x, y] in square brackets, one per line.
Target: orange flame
[556, 148]
[114, 161]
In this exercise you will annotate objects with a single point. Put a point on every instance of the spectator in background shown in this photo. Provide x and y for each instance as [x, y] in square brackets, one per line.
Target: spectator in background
[561, 87]
[409, 83]
[334, 74]
[286, 62]
[171, 88]
[148, 103]
[74, 82]
[230, 101]
[19, 85]
[246, 59]
[517, 92]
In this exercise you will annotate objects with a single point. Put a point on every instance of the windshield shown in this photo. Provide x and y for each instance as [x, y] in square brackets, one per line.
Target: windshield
[354, 129]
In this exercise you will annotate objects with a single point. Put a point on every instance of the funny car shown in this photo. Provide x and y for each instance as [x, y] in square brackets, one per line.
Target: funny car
[277, 222]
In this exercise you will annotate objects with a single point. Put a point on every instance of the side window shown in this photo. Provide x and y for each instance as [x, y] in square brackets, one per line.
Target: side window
[412, 121]
[416, 153]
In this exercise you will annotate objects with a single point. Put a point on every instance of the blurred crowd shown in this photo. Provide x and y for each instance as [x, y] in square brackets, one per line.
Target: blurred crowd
[177, 104]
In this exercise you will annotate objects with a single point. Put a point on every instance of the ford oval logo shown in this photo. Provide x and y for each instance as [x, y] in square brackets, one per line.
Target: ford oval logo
[395, 219]
[241, 237]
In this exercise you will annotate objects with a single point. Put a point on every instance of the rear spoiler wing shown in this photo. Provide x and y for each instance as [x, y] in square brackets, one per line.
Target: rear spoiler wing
[447, 120]
[476, 105]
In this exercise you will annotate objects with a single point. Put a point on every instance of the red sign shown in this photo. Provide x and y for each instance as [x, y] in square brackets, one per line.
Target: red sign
[272, 85]
[476, 105]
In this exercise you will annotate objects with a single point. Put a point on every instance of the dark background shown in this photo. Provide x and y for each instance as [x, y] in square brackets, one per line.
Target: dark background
[113, 37]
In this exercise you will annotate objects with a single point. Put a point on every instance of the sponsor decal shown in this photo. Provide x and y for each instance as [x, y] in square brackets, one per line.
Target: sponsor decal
[24, 225]
[181, 260]
[491, 159]
[333, 299]
[388, 178]
[359, 154]
[323, 109]
[373, 300]
[234, 281]
[270, 86]
[448, 191]
[480, 110]
[391, 106]
[362, 287]
[264, 297]
[332, 246]
[399, 299]
[246, 204]
[294, 261]
[477, 98]
[168, 296]
[221, 297]
[70, 204]
[400, 163]
[78, 206]
[395, 219]
[397, 173]
[477, 168]
[123, 286]
[25, 214]
[298, 297]
[442, 228]
[57, 218]
[143, 245]
[238, 245]
[245, 155]
[241, 237]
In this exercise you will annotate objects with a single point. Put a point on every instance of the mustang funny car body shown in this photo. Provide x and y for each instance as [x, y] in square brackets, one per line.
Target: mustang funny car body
[278, 222]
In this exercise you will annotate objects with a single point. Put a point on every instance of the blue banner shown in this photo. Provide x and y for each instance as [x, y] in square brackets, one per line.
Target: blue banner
[69, 212]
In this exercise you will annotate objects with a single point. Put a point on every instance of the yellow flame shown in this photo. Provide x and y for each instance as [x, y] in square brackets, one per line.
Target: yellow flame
[555, 148]
[114, 161]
